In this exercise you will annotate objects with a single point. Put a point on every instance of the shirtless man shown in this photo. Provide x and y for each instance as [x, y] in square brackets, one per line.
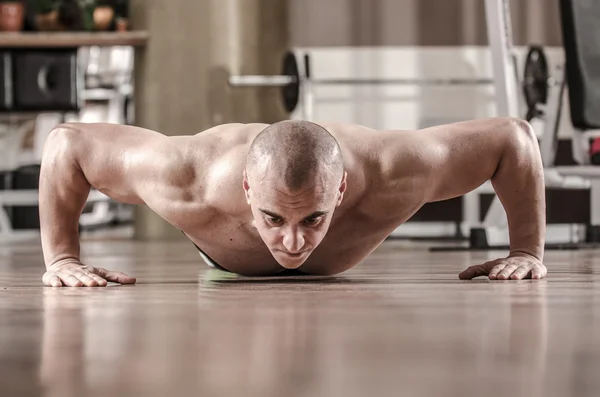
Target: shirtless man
[258, 199]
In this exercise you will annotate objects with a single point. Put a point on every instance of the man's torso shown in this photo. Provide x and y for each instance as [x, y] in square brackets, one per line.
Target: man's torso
[368, 214]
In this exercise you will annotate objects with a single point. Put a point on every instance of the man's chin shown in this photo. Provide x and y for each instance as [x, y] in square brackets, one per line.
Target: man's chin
[290, 261]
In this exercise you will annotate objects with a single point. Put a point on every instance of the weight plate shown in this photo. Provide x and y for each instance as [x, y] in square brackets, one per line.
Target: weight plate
[290, 93]
[535, 80]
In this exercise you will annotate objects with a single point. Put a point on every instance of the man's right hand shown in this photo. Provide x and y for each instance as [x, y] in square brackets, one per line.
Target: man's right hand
[73, 273]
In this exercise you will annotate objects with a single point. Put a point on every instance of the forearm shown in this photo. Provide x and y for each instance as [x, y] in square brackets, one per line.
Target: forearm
[63, 192]
[519, 184]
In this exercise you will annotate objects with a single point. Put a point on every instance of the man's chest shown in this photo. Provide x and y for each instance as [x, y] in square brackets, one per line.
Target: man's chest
[237, 246]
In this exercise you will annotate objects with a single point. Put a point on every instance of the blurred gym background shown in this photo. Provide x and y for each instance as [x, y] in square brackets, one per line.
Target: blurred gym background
[182, 66]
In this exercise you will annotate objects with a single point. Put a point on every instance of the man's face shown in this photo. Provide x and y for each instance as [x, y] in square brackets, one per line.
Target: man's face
[292, 224]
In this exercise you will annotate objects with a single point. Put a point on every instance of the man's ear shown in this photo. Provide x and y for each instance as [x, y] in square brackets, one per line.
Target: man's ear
[246, 186]
[342, 189]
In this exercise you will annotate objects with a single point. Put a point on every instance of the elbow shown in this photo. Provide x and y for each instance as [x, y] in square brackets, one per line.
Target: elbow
[521, 148]
[63, 132]
[61, 142]
[521, 133]
[520, 140]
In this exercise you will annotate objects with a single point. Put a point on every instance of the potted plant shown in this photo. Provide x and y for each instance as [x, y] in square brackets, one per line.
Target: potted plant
[104, 14]
[72, 15]
[12, 15]
[122, 15]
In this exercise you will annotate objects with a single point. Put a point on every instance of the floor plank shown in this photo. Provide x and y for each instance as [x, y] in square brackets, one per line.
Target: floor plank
[401, 323]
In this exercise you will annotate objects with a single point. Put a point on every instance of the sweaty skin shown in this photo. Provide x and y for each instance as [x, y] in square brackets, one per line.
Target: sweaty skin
[198, 184]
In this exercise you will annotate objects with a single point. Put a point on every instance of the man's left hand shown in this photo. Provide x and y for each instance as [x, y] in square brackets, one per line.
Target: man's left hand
[516, 266]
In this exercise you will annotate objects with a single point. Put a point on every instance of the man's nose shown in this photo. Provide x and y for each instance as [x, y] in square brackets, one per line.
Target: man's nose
[293, 240]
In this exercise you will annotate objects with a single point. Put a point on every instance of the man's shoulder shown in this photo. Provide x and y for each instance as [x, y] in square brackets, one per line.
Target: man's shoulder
[343, 130]
[233, 130]
[369, 142]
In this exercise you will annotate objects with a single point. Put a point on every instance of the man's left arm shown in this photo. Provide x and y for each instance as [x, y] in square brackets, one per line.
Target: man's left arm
[456, 158]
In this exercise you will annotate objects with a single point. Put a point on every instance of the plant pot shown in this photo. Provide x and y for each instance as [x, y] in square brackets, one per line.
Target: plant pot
[103, 17]
[12, 16]
[122, 25]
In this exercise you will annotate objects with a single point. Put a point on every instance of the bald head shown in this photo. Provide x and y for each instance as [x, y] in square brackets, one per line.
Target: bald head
[297, 152]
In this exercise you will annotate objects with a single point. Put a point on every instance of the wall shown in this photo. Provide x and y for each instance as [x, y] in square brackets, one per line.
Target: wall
[316, 23]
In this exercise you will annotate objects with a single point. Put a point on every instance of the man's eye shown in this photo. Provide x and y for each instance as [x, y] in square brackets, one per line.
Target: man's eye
[312, 221]
[274, 219]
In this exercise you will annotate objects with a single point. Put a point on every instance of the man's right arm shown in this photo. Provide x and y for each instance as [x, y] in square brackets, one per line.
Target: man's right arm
[124, 162]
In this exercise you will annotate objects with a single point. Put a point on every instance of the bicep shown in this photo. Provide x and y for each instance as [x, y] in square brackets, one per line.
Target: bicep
[450, 160]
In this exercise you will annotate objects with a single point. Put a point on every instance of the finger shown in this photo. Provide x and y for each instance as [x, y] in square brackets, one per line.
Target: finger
[493, 275]
[51, 280]
[506, 272]
[538, 273]
[47, 279]
[521, 273]
[85, 279]
[99, 280]
[473, 271]
[55, 281]
[116, 277]
[69, 280]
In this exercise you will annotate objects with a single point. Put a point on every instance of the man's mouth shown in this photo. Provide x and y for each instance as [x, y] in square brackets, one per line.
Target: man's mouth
[293, 255]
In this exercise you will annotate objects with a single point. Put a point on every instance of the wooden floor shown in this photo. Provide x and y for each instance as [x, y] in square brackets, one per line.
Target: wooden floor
[401, 324]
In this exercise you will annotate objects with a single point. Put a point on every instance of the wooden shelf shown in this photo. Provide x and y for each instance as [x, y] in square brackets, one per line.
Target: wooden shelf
[72, 39]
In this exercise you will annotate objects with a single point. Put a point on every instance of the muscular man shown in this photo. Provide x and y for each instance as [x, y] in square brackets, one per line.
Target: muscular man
[259, 199]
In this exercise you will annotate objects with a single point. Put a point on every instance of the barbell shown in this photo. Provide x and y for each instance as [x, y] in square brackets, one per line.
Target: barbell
[534, 84]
